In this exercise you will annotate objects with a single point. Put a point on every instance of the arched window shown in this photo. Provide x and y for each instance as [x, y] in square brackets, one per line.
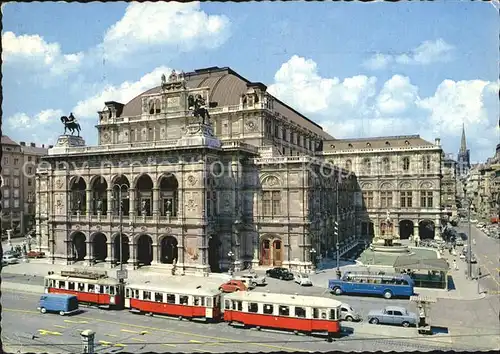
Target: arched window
[427, 163]
[151, 107]
[367, 165]
[406, 163]
[157, 106]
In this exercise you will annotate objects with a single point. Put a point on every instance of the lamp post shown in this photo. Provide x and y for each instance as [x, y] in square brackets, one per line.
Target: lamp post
[313, 256]
[121, 274]
[230, 255]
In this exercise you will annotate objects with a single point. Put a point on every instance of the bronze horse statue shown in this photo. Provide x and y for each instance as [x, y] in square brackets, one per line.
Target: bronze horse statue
[197, 106]
[71, 124]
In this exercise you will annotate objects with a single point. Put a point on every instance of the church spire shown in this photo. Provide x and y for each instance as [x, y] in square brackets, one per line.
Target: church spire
[463, 144]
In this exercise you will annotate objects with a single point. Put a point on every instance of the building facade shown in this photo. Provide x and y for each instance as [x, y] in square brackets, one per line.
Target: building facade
[399, 175]
[450, 196]
[463, 157]
[245, 186]
[19, 163]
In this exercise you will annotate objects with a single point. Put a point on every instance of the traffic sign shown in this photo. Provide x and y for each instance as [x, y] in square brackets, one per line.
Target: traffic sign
[121, 274]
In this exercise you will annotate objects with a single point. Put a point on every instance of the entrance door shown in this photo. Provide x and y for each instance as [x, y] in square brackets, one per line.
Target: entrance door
[266, 253]
[277, 253]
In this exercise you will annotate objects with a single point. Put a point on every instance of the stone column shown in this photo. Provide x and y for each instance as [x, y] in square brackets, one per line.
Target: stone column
[88, 256]
[131, 203]
[133, 254]
[88, 202]
[110, 256]
[109, 201]
[437, 229]
[155, 254]
[156, 197]
[256, 246]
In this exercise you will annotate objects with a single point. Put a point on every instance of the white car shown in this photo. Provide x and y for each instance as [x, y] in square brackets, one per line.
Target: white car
[9, 259]
[251, 279]
[347, 313]
[303, 279]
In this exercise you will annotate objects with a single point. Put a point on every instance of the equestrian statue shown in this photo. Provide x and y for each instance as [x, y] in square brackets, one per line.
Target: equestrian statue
[197, 106]
[70, 124]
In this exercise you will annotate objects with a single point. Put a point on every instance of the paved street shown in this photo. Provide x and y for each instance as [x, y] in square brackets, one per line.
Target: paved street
[23, 324]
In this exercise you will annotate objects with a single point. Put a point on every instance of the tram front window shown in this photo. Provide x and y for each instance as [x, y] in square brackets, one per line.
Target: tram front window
[71, 285]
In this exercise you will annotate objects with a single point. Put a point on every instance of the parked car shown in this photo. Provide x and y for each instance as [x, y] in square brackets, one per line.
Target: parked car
[232, 286]
[347, 313]
[393, 315]
[9, 259]
[252, 279]
[35, 254]
[460, 242]
[303, 279]
[279, 273]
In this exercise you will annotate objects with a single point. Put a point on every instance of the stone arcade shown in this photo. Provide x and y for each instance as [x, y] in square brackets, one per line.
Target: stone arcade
[214, 172]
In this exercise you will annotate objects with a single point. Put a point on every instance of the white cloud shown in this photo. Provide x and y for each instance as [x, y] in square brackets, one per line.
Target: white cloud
[34, 52]
[180, 26]
[24, 121]
[123, 93]
[353, 107]
[427, 52]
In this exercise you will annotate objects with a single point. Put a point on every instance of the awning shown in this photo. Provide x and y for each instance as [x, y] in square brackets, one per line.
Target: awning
[415, 263]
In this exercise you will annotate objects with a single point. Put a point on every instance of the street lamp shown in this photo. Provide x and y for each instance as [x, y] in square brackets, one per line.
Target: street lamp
[230, 255]
[313, 255]
[121, 276]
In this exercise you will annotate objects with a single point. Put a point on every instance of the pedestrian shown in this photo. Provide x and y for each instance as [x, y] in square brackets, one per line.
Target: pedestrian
[455, 265]
[474, 241]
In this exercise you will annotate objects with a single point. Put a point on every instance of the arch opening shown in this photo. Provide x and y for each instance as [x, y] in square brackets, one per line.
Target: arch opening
[144, 250]
[78, 196]
[169, 195]
[144, 188]
[79, 247]
[426, 230]
[168, 250]
[405, 229]
[214, 253]
[125, 255]
[121, 183]
[99, 247]
[99, 188]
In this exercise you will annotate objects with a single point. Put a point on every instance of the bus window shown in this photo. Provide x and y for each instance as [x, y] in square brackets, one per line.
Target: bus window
[71, 285]
[405, 282]
[227, 304]
[315, 313]
[81, 286]
[300, 312]
[284, 311]
[268, 309]
[158, 297]
[170, 299]
[183, 299]
[209, 302]
[146, 295]
[253, 307]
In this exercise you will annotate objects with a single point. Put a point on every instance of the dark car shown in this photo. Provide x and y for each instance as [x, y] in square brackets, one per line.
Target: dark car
[279, 273]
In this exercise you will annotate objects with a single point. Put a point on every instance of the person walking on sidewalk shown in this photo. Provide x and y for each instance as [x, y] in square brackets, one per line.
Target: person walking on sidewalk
[455, 265]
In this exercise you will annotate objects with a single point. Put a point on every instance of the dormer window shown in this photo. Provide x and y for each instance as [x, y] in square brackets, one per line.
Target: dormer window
[368, 145]
[387, 143]
[407, 142]
[332, 146]
[349, 145]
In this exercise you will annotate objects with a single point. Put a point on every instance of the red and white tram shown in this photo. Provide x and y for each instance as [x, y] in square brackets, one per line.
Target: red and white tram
[89, 287]
[169, 300]
[298, 313]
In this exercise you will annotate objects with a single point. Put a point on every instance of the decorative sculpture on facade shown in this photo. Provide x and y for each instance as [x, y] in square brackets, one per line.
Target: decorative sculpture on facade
[71, 124]
[197, 105]
[99, 205]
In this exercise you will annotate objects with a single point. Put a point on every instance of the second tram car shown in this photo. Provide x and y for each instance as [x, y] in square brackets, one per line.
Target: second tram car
[298, 313]
[195, 303]
[89, 287]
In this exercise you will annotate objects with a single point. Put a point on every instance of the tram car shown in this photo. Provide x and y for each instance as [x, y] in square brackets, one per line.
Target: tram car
[92, 288]
[169, 300]
[298, 313]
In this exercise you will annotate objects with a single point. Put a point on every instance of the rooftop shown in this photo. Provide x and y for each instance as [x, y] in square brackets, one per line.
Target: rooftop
[8, 141]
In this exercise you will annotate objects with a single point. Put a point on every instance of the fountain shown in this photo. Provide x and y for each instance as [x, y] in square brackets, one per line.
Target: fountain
[387, 242]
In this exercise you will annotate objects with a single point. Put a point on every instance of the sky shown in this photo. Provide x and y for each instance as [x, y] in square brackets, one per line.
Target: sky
[357, 69]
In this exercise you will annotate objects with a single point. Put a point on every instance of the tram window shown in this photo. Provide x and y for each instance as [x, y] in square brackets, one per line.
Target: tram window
[209, 302]
[51, 283]
[158, 297]
[71, 285]
[315, 313]
[91, 288]
[111, 290]
[170, 298]
[146, 295]
[127, 292]
[284, 311]
[183, 299]
[62, 284]
[253, 307]
[135, 293]
[81, 286]
[300, 312]
[323, 315]
[268, 309]
[237, 306]
[197, 301]
[333, 314]
[227, 304]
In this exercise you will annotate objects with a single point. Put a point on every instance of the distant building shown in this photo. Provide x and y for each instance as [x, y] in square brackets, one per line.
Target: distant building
[18, 184]
[449, 186]
[463, 157]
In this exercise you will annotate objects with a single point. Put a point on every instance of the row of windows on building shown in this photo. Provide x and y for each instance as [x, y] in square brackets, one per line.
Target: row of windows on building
[386, 164]
[15, 160]
[405, 200]
[272, 130]
[16, 182]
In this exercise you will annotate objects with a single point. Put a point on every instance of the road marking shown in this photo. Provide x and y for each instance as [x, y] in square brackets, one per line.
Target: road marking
[119, 345]
[179, 332]
[111, 335]
[136, 332]
[138, 340]
[45, 332]
[79, 322]
[59, 326]
[103, 342]
[199, 342]
[170, 345]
